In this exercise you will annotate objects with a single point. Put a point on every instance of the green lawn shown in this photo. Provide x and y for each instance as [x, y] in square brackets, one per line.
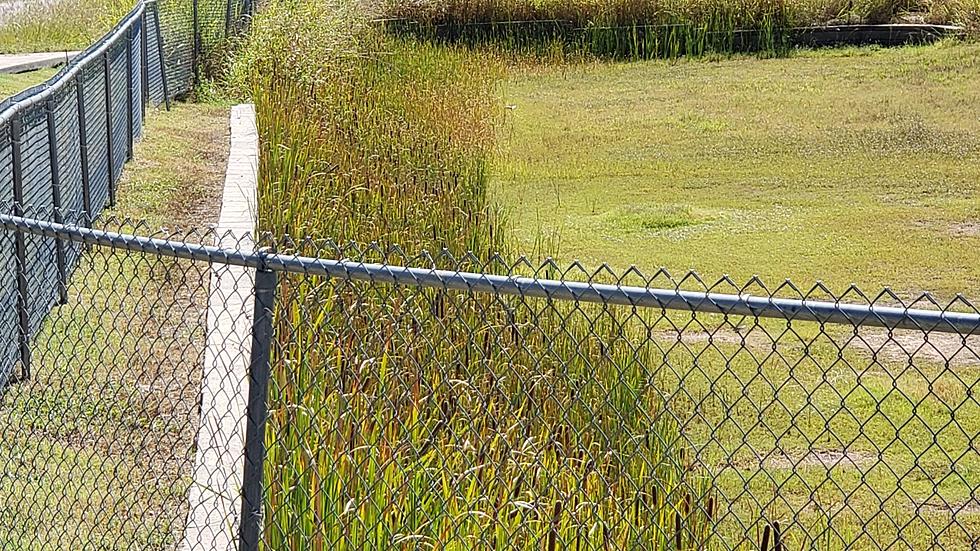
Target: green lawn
[11, 84]
[843, 166]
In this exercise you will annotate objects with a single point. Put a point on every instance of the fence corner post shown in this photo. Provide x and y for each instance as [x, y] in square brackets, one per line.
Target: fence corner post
[250, 529]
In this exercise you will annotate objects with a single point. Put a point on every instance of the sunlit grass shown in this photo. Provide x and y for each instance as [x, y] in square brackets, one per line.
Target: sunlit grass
[11, 84]
[59, 25]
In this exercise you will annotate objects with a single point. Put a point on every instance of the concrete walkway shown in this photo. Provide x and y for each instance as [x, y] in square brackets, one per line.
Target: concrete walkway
[20, 63]
[215, 493]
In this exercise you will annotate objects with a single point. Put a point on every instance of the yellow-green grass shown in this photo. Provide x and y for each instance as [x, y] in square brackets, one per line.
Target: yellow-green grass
[846, 166]
[401, 418]
[406, 418]
[59, 25]
[98, 444]
[11, 84]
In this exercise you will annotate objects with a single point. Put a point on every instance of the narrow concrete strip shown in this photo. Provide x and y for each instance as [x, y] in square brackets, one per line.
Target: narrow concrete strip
[215, 493]
[21, 63]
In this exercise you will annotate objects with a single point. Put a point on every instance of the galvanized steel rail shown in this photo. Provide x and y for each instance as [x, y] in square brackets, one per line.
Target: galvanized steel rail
[670, 299]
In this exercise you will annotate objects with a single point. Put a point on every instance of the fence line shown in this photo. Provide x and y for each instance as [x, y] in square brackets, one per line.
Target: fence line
[398, 401]
[694, 427]
[63, 143]
[890, 317]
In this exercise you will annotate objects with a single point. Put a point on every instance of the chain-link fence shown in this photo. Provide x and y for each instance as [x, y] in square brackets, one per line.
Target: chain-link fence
[195, 36]
[222, 396]
[64, 142]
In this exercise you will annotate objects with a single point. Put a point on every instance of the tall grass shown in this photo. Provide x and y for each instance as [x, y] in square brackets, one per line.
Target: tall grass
[432, 419]
[58, 25]
[645, 29]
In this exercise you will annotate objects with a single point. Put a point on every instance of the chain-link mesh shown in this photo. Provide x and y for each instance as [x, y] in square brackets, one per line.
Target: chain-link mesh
[194, 31]
[63, 143]
[485, 404]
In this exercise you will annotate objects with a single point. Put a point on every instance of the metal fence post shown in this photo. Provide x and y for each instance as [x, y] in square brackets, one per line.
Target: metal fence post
[107, 68]
[144, 66]
[250, 529]
[228, 17]
[20, 249]
[130, 101]
[59, 245]
[163, 64]
[196, 46]
[83, 152]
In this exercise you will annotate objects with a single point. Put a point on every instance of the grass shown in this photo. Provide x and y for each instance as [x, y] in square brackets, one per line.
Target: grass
[455, 420]
[11, 84]
[59, 25]
[98, 444]
[845, 166]
[856, 165]
[377, 438]
[651, 29]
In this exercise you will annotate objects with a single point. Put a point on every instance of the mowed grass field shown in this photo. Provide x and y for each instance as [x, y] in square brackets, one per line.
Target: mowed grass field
[845, 166]
[855, 165]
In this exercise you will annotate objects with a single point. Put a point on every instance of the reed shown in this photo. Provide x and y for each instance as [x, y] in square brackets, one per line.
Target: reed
[431, 419]
[648, 29]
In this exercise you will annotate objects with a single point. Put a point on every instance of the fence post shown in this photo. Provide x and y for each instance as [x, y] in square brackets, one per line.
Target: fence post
[144, 66]
[20, 249]
[196, 46]
[107, 67]
[250, 530]
[228, 17]
[163, 64]
[59, 245]
[83, 144]
[130, 102]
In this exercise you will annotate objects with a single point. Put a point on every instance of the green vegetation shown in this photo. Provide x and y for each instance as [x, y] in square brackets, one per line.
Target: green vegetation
[652, 29]
[857, 165]
[402, 417]
[59, 25]
[11, 84]
[840, 166]
[376, 439]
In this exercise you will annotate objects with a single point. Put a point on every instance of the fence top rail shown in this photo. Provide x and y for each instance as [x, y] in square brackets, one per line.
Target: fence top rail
[40, 93]
[835, 312]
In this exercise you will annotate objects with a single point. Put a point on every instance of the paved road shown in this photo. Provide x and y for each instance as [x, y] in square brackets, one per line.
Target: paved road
[18, 63]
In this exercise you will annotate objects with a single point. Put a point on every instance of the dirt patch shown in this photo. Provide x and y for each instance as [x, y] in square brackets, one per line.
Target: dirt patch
[971, 507]
[751, 339]
[965, 229]
[901, 346]
[828, 459]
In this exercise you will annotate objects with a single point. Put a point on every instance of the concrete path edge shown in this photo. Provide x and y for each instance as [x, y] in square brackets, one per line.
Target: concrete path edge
[215, 493]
